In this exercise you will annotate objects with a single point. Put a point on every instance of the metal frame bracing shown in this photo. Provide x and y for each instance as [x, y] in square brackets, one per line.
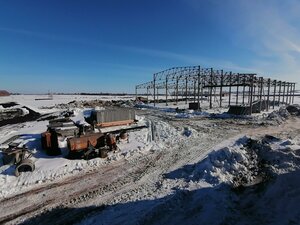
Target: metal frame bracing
[192, 83]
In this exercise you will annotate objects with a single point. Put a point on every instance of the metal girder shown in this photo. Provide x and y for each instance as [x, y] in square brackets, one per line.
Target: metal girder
[197, 79]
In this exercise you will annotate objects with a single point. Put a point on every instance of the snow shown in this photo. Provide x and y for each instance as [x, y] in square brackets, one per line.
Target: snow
[39, 105]
[212, 186]
[52, 168]
[208, 192]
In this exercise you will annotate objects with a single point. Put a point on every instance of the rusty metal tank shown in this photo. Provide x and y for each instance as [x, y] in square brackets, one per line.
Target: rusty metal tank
[82, 143]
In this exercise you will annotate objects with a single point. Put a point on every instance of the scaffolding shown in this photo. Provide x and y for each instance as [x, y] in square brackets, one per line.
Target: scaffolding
[197, 84]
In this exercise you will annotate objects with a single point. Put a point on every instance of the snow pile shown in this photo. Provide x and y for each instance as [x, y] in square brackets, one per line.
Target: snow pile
[279, 116]
[249, 161]
[80, 115]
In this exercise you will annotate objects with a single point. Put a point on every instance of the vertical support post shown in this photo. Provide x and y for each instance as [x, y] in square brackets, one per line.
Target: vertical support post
[274, 93]
[186, 90]
[157, 94]
[260, 92]
[294, 93]
[283, 94]
[287, 93]
[135, 92]
[166, 91]
[244, 81]
[237, 89]
[291, 93]
[154, 89]
[194, 90]
[230, 84]
[279, 93]
[176, 90]
[221, 88]
[202, 85]
[198, 100]
[147, 94]
[211, 83]
[268, 95]
[251, 93]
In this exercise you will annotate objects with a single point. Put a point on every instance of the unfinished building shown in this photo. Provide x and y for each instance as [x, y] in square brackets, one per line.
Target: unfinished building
[245, 93]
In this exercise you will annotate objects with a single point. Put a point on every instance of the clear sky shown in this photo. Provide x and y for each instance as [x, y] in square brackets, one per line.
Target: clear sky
[110, 46]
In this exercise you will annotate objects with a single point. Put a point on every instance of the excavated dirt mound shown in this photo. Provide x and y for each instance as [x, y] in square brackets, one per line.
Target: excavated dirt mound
[4, 93]
[294, 110]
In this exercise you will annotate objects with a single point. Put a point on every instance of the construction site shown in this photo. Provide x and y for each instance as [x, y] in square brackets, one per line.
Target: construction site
[185, 142]
[244, 93]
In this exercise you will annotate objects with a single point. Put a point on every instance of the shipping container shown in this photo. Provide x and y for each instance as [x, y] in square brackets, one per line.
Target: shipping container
[113, 117]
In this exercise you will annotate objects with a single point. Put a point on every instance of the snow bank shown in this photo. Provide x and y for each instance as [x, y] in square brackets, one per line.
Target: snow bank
[247, 161]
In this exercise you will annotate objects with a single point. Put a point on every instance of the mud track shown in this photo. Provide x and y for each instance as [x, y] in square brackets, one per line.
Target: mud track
[68, 191]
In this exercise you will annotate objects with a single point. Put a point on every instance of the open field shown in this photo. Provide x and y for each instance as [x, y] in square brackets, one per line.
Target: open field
[188, 167]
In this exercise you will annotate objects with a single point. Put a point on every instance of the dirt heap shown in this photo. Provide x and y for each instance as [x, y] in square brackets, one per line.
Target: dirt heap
[294, 109]
[4, 93]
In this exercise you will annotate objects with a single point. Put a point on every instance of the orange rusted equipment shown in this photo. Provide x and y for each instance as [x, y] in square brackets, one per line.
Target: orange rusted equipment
[82, 143]
[91, 145]
[50, 142]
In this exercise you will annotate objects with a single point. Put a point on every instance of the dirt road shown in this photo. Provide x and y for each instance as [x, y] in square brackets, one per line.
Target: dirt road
[69, 200]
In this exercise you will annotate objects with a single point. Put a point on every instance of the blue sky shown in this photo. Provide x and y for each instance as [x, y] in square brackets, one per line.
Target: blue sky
[110, 46]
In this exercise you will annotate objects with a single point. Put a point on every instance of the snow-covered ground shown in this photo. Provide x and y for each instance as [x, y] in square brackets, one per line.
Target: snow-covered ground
[51, 168]
[39, 105]
[245, 181]
[201, 170]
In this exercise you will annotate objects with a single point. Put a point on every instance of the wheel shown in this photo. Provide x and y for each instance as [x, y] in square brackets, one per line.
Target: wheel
[25, 165]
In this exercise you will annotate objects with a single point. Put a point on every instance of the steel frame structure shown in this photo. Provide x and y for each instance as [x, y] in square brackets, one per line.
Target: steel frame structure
[195, 82]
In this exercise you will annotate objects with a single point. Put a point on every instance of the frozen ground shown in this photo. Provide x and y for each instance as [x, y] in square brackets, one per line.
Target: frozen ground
[204, 169]
[38, 106]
